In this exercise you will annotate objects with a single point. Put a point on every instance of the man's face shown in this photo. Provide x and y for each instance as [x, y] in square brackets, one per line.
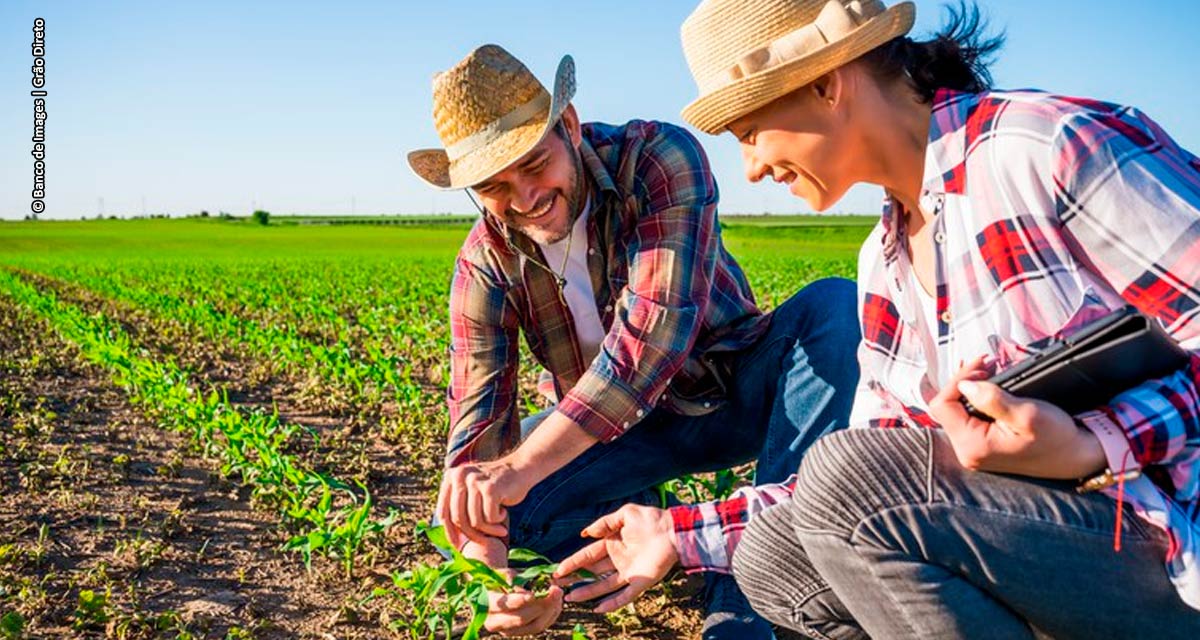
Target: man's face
[540, 194]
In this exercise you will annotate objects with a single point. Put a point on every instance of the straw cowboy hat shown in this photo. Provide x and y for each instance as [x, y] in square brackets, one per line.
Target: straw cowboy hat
[746, 53]
[489, 110]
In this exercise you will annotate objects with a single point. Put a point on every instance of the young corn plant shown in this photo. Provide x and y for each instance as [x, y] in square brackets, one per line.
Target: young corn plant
[249, 443]
[438, 596]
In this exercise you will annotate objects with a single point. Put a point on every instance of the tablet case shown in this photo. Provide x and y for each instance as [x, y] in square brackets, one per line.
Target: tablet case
[1090, 367]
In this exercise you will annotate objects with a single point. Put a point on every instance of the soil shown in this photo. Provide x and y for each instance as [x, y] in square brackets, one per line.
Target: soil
[97, 497]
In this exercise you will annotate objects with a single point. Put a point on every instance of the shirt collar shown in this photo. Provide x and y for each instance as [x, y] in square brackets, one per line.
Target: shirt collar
[946, 149]
[945, 155]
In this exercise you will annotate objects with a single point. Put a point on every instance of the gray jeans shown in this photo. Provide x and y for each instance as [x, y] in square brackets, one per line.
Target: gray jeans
[887, 536]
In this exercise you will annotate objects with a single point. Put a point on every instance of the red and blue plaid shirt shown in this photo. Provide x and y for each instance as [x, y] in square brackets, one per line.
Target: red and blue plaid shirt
[1049, 212]
[666, 290]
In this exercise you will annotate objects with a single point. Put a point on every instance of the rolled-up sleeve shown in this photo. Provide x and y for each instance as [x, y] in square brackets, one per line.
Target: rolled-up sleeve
[484, 334]
[1129, 198]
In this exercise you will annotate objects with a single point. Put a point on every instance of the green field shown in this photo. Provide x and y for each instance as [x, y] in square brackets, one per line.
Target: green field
[300, 369]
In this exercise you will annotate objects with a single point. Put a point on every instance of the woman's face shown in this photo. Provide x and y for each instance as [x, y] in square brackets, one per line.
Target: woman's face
[804, 140]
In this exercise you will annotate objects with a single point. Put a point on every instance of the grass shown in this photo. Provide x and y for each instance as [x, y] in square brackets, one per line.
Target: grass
[831, 237]
[357, 314]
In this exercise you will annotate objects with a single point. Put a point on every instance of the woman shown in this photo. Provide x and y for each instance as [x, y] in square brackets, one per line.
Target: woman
[1012, 218]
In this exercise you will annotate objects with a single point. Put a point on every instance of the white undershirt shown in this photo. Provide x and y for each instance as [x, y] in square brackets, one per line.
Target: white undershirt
[926, 302]
[581, 298]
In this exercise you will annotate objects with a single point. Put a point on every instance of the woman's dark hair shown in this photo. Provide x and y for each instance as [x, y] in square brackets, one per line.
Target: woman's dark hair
[956, 58]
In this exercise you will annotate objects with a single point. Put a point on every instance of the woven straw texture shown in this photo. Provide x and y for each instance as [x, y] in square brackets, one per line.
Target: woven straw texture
[721, 34]
[470, 99]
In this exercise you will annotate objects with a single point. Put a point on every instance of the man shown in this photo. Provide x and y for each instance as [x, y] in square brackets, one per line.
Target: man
[600, 244]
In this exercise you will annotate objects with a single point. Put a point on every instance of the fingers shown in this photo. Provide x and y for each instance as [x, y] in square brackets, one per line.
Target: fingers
[443, 513]
[550, 608]
[462, 507]
[460, 512]
[988, 398]
[603, 586]
[523, 613]
[582, 559]
[946, 406]
[971, 370]
[477, 512]
[492, 509]
[606, 525]
[636, 587]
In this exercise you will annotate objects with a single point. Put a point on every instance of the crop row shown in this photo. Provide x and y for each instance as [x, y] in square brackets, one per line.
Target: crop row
[324, 515]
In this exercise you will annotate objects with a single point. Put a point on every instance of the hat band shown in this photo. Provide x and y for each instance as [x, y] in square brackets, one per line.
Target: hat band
[835, 21]
[493, 130]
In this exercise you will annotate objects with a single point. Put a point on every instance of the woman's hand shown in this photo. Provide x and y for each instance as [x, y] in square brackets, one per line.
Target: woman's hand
[635, 551]
[1029, 437]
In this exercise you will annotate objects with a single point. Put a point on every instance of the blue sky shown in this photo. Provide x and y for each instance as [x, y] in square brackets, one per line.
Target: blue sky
[305, 107]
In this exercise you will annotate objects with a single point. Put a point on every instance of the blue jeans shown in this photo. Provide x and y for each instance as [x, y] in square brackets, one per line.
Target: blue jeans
[795, 384]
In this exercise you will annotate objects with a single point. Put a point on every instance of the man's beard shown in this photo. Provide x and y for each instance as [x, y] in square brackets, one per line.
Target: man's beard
[574, 200]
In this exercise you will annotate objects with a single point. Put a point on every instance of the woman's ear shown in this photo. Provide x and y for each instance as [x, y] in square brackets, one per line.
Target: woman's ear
[828, 89]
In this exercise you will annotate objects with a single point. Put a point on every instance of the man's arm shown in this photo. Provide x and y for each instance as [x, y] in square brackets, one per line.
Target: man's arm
[484, 334]
[658, 315]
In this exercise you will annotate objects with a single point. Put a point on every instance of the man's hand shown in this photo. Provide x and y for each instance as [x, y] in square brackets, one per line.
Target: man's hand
[521, 613]
[518, 612]
[1029, 437]
[635, 551]
[473, 499]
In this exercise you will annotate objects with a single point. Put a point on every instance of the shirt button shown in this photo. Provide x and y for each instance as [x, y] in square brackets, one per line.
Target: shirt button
[946, 316]
[662, 398]
[640, 413]
[940, 238]
[707, 404]
[608, 309]
[591, 251]
[626, 424]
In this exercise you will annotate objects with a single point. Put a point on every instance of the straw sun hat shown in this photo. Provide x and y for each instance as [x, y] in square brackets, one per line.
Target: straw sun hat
[746, 53]
[489, 110]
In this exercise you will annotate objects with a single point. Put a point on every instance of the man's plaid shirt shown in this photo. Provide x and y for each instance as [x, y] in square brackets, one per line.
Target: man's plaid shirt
[1050, 212]
[668, 294]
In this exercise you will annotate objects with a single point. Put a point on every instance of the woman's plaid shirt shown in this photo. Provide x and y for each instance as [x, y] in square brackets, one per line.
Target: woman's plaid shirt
[1050, 212]
[668, 293]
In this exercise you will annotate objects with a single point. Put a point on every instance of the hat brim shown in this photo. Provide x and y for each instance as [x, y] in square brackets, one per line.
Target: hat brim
[434, 167]
[712, 112]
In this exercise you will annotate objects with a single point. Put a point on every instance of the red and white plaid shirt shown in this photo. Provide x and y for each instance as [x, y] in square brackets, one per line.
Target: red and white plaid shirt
[1049, 212]
[667, 293]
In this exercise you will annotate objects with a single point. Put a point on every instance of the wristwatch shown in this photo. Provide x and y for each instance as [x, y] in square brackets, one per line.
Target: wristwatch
[1122, 467]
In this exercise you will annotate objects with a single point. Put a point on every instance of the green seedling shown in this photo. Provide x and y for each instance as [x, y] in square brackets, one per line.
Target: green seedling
[91, 611]
[436, 596]
[12, 625]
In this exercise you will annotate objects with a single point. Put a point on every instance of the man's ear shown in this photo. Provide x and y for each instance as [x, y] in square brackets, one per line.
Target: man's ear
[570, 120]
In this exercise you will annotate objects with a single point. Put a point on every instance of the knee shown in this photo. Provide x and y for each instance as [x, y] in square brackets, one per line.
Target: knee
[850, 475]
[836, 297]
[760, 563]
[826, 313]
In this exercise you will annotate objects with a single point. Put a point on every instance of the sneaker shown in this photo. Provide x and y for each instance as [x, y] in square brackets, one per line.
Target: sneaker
[727, 614]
